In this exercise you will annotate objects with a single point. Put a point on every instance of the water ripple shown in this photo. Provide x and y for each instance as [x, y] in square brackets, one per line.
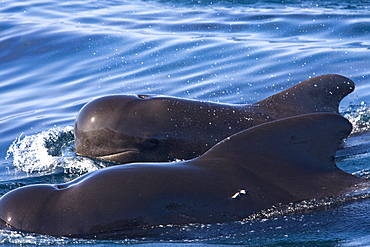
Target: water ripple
[57, 55]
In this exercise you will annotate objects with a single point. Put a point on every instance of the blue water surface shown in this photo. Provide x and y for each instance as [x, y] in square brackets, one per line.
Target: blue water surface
[57, 55]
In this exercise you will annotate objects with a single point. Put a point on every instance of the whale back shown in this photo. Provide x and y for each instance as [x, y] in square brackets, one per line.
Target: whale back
[278, 162]
[295, 154]
[147, 128]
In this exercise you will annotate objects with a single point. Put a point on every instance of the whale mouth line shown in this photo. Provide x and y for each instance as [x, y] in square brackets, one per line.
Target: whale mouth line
[114, 156]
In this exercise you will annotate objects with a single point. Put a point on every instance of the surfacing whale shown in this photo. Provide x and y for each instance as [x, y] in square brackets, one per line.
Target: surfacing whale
[129, 128]
[283, 161]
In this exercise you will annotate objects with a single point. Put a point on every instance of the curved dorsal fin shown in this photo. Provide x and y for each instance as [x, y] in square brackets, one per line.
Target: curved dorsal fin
[314, 136]
[293, 154]
[319, 94]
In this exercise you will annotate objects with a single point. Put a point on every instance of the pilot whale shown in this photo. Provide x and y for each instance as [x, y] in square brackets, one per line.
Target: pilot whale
[283, 161]
[132, 128]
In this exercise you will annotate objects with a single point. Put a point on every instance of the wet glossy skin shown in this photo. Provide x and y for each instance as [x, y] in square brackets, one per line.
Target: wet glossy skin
[278, 162]
[129, 128]
[132, 128]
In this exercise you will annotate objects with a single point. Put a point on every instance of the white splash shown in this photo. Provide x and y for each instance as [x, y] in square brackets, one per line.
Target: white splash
[13, 237]
[47, 151]
[359, 116]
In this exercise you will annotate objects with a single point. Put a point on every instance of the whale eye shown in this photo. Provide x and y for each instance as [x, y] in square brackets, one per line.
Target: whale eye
[147, 143]
[151, 143]
[143, 96]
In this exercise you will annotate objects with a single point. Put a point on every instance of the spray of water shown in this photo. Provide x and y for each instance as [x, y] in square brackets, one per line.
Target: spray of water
[359, 116]
[47, 152]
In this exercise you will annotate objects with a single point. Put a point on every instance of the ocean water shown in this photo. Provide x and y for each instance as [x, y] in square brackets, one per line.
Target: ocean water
[57, 55]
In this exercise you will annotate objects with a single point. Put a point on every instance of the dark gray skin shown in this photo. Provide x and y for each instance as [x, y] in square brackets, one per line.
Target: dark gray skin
[284, 161]
[132, 128]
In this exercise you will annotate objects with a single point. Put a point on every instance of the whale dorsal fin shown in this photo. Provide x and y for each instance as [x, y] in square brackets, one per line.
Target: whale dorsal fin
[297, 150]
[319, 94]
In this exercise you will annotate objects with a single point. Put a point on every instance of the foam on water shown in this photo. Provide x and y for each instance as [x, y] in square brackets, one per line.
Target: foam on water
[47, 152]
[14, 237]
[359, 116]
[354, 157]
